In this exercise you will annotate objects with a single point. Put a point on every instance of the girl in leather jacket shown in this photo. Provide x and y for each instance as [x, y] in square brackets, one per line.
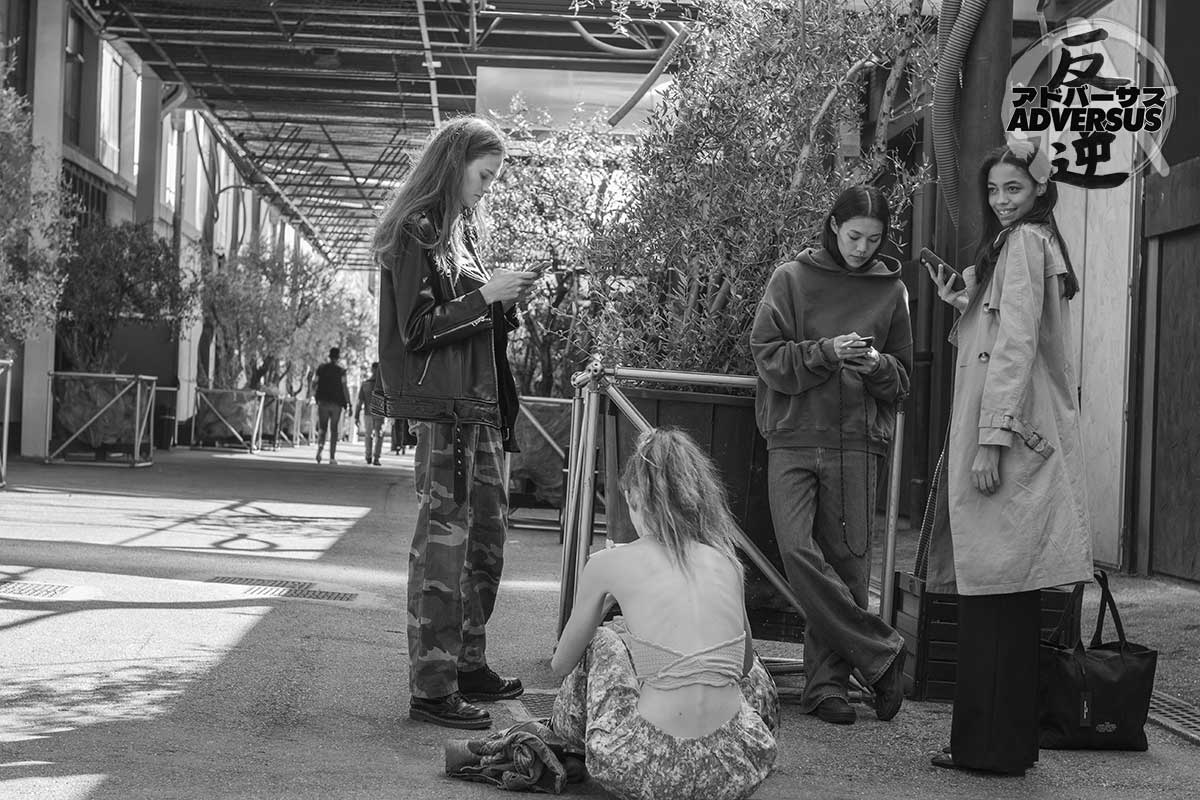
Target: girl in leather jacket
[443, 324]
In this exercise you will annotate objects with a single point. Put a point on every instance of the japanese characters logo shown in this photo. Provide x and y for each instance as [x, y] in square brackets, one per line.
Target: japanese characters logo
[1099, 127]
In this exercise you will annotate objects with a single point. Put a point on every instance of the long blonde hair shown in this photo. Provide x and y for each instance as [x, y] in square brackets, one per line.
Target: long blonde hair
[433, 186]
[682, 497]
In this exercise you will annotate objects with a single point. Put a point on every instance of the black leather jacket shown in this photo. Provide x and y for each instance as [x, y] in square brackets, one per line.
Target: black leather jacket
[442, 349]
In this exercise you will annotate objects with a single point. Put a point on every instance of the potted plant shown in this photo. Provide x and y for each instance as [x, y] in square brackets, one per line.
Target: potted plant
[561, 186]
[35, 224]
[119, 274]
[762, 125]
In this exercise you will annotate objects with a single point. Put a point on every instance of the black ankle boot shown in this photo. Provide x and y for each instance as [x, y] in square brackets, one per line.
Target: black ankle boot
[451, 711]
[485, 685]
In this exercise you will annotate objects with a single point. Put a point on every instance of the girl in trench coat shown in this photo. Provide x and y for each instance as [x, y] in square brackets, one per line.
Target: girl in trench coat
[1014, 486]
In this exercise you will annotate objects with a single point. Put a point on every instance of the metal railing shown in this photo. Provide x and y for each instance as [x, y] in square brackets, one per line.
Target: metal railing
[577, 503]
[6, 367]
[141, 386]
[252, 440]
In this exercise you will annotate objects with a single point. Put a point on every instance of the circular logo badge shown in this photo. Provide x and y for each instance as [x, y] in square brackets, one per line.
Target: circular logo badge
[1098, 127]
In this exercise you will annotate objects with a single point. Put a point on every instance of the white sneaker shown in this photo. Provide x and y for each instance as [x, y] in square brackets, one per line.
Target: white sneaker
[333, 462]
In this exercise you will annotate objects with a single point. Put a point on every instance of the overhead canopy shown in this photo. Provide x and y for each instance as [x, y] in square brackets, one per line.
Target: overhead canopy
[323, 103]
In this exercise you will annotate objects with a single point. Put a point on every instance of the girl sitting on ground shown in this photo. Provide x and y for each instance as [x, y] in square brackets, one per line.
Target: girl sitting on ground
[678, 705]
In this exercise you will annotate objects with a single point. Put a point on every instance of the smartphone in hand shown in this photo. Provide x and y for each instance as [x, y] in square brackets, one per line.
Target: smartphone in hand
[932, 259]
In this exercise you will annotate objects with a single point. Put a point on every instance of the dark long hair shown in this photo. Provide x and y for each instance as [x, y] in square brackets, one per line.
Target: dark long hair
[993, 235]
[433, 185]
[857, 201]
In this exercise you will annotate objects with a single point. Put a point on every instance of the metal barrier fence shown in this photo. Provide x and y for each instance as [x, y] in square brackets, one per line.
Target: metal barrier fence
[5, 372]
[577, 503]
[98, 411]
[228, 418]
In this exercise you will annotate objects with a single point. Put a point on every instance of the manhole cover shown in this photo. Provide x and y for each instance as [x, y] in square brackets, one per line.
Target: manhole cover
[1177, 716]
[538, 704]
[31, 589]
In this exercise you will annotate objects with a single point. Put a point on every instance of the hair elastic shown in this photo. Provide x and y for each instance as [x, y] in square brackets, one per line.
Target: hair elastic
[1037, 163]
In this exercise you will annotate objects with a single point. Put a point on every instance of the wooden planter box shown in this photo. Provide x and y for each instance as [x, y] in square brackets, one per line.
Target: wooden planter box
[725, 428]
[928, 621]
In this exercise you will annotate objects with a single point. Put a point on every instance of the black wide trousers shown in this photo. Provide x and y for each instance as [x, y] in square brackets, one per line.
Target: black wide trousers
[995, 724]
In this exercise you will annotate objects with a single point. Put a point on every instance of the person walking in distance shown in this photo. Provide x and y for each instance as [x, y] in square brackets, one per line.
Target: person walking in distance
[333, 397]
[444, 319]
[833, 346]
[372, 425]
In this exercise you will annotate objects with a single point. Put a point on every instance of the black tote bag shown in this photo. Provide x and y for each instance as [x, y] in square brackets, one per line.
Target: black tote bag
[1095, 698]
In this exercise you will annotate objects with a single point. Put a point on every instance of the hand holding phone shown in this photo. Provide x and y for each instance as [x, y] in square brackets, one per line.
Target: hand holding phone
[952, 286]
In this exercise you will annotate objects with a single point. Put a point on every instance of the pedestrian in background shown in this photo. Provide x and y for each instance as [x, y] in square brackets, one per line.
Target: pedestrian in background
[833, 347]
[372, 425]
[332, 396]
[1013, 495]
[444, 319]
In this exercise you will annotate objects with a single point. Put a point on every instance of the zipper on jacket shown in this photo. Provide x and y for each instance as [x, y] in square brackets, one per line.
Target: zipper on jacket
[428, 358]
[457, 327]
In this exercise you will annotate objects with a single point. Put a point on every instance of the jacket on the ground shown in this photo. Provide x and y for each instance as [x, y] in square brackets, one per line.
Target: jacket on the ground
[804, 397]
[1014, 387]
[441, 347]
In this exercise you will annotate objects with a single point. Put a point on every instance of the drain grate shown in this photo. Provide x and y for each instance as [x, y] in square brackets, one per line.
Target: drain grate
[302, 594]
[539, 704]
[1179, 717]
[31, 589]
[261, 582]
[301, 590]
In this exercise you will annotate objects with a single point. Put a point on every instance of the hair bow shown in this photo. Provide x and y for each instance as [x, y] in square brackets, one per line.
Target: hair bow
[1035, 158]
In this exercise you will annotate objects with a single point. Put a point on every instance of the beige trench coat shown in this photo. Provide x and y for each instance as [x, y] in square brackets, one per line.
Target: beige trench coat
[1014, 387]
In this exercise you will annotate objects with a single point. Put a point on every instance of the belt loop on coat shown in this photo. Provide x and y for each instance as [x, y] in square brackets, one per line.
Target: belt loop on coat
[460, 466]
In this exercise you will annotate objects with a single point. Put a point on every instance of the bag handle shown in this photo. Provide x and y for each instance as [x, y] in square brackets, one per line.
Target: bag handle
[1106, 601]
[1058, 636]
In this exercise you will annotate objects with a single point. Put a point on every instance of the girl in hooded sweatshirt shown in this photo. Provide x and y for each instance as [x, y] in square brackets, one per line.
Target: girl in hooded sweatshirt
[833, 346]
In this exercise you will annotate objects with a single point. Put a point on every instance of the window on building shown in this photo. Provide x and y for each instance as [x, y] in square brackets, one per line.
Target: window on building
[170, 171]
[111, 68]
[89, 191]
[14, 43]
[73, 80]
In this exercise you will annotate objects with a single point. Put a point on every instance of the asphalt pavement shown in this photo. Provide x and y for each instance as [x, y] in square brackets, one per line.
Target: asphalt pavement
[228, 626]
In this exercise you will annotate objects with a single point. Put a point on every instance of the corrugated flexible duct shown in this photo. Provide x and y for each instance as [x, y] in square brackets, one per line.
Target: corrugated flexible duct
[961, 19]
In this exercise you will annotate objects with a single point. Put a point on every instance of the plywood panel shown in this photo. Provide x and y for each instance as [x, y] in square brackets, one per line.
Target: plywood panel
[1175, 546]
[1104, 324]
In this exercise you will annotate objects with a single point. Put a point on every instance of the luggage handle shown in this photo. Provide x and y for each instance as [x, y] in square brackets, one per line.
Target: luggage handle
[1107, 601]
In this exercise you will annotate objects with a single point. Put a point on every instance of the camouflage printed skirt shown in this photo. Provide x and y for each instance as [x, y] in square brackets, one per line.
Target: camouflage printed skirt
[597, 710]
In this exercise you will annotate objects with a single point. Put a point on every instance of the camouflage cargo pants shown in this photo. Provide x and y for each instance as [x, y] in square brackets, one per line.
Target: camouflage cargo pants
[457, 555]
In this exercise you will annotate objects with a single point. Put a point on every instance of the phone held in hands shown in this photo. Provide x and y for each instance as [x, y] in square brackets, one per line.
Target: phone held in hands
[864, 341]
[932, 259]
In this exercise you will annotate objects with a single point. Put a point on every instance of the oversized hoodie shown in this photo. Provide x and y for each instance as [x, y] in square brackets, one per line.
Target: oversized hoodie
[805, 398]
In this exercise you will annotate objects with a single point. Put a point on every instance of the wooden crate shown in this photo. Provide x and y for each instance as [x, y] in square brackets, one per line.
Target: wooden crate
[928, 621]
